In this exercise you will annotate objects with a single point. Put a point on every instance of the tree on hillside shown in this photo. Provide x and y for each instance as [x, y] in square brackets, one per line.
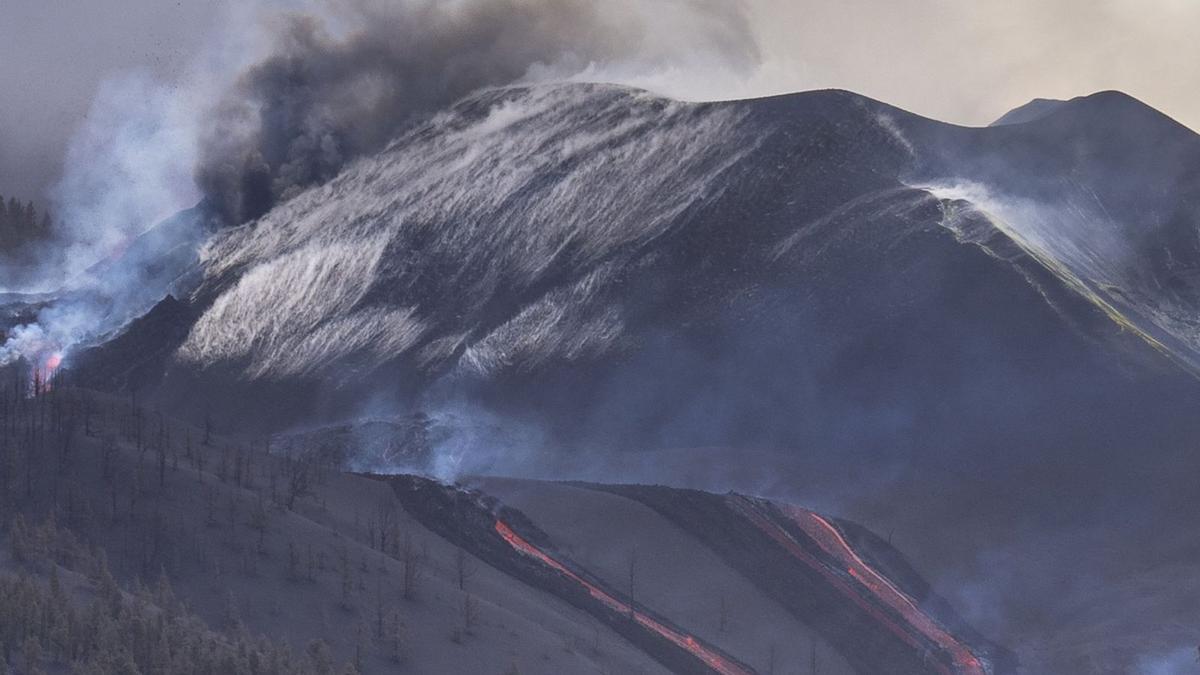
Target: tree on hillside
[464, 567]
[470, 613]
[21, 223]
[414, 567]
[632, 579]
[299, 470]
[396, 638]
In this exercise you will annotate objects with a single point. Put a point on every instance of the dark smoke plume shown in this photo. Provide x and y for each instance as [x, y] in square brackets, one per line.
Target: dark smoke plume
[341, 84]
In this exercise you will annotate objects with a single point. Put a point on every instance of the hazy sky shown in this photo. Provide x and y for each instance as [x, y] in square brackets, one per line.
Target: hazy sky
[965, 62]
[55, 53]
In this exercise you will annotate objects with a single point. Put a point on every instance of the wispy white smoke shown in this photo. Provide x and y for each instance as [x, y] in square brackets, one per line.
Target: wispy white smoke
[127, 168]
[1093, 254]
[291, 92]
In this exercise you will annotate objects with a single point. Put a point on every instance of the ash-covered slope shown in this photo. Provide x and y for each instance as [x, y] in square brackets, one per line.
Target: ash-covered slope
[525, 231]
[262, 553]
[269, 551]
[708, 583]
[1101, 190]
[532, 239]
[119, 298]
[956, 334]
[465, 241]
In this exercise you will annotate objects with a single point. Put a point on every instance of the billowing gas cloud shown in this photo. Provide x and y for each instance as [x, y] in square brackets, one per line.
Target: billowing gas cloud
[928, 56]
[340, 81]
[119, 242]
[126, 170]
[285, 98]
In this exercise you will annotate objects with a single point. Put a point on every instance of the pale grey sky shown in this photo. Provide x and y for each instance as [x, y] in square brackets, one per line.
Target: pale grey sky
[55, 53]
[969, 61]
[964, 62]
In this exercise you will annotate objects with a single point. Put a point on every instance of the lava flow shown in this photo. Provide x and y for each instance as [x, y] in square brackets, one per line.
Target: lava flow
[833, 544]
[42, 377]
[710, 657]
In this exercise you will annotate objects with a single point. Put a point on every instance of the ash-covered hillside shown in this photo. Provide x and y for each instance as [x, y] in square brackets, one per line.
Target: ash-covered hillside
[982, 340]
[601, 263]
[130, 542]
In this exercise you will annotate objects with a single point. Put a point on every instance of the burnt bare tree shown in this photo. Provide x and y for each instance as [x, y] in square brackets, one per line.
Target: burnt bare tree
[299, 473]
[632, 584]
[470, 613]
[413, 561]
[464, 568]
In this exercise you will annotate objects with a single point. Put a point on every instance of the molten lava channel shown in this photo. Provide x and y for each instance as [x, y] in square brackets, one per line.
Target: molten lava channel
[919, 630]
[710, 657]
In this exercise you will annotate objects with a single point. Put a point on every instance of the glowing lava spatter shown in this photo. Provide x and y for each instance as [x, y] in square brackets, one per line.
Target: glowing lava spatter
[917, 628]
[710, 657]
[44, 367]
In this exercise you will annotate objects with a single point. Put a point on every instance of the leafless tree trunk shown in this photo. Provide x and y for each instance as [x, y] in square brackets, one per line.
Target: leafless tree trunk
[632, 579]
[465, 568]
[396, 639]
[413, 561]
[344, 572]
[386, 512]
[299, 477]
[470, 613]
[379, 611]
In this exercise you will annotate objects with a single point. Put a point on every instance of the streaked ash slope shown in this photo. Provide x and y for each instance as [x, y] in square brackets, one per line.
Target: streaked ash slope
[815, 296]
[530, 232]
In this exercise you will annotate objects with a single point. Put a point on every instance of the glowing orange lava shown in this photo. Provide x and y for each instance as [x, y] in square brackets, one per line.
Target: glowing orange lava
[709, 657]
[882, 589]
[835, 544]
[43, 376]
[42, 368]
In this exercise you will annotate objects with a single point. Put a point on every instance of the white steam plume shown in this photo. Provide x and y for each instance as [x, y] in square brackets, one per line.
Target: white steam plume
[289, 93]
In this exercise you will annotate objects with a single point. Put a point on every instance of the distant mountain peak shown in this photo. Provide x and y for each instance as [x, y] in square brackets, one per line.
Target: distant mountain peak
[1110, 108]
[1033, 110]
